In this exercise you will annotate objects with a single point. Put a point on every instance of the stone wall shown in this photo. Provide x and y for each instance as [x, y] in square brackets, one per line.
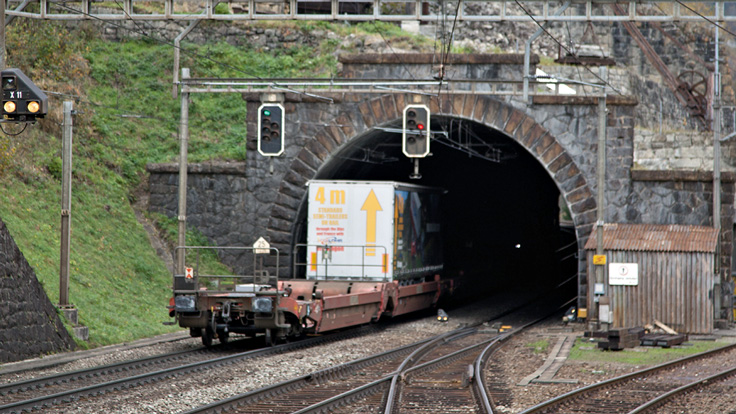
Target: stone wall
[29, 324]
[216, 201]
[686, 197]
[318, 131]
[680, 150]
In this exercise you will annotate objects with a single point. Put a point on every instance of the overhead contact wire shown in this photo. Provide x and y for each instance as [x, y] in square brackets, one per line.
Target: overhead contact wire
[544, 29]
[188, 52]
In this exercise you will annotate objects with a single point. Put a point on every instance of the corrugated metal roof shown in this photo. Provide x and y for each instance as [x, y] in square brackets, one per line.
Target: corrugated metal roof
[656, 238]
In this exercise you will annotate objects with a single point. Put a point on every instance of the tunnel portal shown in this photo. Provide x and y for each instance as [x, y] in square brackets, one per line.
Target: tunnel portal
[502, 225]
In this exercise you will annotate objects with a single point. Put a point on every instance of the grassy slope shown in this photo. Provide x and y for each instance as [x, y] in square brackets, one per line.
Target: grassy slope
[126, 117]
[117, 282]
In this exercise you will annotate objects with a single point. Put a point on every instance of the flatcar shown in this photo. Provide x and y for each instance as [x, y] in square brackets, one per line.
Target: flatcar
[374, 250]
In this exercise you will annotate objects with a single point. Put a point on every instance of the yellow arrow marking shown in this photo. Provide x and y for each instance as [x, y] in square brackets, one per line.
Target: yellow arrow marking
[371, 206]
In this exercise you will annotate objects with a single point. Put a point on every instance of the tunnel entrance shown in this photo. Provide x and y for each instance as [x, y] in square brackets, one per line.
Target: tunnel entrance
[502, 223]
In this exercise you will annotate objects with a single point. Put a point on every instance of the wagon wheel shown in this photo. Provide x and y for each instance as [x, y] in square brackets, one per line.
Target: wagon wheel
[208, 334]
[696, 86]
[223, 336]
[269, 338]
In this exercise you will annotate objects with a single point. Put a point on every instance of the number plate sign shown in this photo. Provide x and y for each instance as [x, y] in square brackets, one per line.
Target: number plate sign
[261, 246]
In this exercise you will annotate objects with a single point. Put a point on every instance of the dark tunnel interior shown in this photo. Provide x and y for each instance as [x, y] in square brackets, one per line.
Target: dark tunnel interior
[501, 212]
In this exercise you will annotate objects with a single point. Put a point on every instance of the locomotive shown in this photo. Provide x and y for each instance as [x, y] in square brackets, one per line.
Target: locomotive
[374, 250]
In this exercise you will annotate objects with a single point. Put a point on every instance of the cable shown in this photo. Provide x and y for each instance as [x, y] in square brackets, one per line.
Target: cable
[80, 100]
[605, 82]
[705, 18]
[393, 51]
[13, 135]
[191, 53]
[163, 42]
[446, 53]
[577, 67]
[452, 34]
[130, 17]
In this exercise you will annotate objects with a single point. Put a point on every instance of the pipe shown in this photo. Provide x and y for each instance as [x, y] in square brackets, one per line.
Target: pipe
[528, 51]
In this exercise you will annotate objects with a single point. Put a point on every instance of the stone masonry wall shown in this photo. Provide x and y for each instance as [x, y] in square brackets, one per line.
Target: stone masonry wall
[216, 201]
[560, 133]
[29, 324]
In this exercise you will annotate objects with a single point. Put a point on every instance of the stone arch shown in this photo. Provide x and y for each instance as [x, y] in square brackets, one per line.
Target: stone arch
[484, 110]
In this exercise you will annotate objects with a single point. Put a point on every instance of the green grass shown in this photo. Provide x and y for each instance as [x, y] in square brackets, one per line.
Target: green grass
[206, 259]
[585, 350]
[125, 118]
[117, 282]
[540, 347]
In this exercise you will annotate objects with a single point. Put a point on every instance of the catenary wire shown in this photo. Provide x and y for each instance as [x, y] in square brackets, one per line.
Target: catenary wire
[188, 52]
[604, 81]
[406, 69]
[445, 53]
[706, 18]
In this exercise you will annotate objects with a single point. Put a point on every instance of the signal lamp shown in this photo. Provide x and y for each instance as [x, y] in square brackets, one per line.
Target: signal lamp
[33, 107]
[9, 106]
[270, 125]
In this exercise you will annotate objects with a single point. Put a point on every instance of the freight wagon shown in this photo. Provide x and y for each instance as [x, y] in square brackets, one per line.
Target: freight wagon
[374, 249]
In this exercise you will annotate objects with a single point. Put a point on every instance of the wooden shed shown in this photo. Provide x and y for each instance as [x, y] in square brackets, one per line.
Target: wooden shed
[662, 272]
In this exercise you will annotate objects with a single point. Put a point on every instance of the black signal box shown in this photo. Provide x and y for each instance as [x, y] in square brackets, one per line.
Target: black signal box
[23, 101]
[271, 129]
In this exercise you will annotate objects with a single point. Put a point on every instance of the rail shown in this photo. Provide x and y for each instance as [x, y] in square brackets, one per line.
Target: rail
[72, 396]
[701, 383]
[200, 275]
[293, 385]
[578, 393]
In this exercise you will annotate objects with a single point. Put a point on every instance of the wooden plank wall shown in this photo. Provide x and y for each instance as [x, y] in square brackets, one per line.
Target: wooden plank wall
[674, 288]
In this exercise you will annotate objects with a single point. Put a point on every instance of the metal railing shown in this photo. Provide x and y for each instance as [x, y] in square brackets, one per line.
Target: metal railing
[376, 10]
[548, 85]
[324, 264]
[199, 279]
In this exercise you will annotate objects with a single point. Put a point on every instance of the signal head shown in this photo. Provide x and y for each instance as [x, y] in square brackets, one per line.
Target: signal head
[270, 126]
[23, 101]
[415, 133]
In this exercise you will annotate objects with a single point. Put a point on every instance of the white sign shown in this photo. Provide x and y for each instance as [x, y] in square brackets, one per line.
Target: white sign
[356, 219]
[262, 246]
[189, 273]
[626, 274]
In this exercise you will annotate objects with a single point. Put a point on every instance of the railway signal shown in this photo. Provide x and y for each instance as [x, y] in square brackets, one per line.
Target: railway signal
[23, 101]
[271, 129]
[415, 134]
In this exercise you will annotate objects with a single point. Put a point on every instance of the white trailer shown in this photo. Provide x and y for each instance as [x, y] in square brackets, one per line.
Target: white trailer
[373, 230]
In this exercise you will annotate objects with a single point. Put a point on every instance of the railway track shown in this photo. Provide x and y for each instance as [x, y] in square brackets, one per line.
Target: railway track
[38, 394]
[647, 389]
[58, 383]
[299, 393]
[336, 386]
[441, 374]
[717, 383]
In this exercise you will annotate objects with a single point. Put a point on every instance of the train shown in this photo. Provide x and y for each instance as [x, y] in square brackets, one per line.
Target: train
[373, 251]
